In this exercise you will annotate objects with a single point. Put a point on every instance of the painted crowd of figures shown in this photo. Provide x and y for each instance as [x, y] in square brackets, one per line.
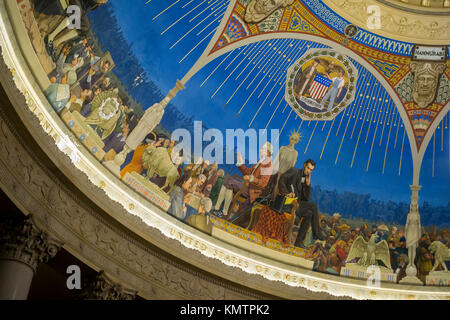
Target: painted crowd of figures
[82, 89]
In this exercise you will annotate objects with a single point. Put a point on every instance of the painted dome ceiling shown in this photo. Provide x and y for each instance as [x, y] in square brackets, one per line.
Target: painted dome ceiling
[364, 84]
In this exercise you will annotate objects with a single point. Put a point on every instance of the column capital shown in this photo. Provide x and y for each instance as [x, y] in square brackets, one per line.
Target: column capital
[21, 240]
[101, 287]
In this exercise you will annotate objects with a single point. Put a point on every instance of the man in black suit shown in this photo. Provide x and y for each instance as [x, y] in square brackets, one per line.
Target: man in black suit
[296, 183]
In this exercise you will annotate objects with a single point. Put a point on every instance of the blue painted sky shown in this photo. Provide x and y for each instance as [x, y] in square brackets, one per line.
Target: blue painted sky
[163, 68]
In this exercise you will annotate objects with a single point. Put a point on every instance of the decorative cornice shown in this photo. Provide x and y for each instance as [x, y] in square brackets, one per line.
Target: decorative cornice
[22, 241]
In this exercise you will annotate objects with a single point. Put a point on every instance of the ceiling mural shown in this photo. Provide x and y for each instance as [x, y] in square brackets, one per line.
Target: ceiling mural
[294, 141]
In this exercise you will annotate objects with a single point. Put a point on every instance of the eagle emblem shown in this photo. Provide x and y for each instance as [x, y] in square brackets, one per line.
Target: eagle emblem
[369, 252]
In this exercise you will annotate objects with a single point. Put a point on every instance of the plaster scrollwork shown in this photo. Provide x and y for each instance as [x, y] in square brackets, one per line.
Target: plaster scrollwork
[21, 240]
[395, 23]
[408, 27]
[421, 3]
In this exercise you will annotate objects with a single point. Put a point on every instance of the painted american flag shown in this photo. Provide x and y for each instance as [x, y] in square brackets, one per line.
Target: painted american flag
[319, 87]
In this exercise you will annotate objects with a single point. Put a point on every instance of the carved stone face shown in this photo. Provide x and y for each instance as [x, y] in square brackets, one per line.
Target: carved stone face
[426, 79]
[425, 84]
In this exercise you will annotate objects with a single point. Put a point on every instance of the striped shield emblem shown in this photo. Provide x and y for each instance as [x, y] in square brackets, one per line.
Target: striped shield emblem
[319, 87]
